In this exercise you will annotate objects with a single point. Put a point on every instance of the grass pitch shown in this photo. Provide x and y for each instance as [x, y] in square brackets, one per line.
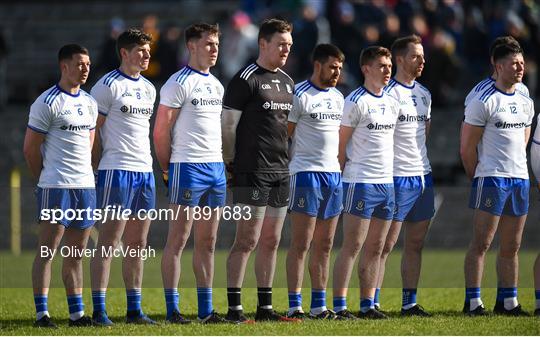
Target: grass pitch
[441, 293]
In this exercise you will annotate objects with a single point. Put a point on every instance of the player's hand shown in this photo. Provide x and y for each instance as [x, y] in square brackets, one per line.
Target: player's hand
[165, 176]
[229, 173]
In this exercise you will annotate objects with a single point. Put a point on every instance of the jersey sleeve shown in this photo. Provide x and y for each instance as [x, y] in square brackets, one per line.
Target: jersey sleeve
[40, 118]
[428, 113]
[172, 94]
[476, 113]
[352, 114]
[531, 116]
[237, 94]
[535, 152]
[94, 111]
[103, 96]
[296, 111]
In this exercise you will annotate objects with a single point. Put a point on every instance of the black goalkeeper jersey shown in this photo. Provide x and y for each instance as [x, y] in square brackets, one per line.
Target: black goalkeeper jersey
[265, 99]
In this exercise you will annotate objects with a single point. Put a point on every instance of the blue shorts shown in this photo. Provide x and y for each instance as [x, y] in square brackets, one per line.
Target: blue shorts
[415, 200]
[317, 194]
[131, 190]
[367, 200]
[197, 184]
[76, 205]
[498, 196]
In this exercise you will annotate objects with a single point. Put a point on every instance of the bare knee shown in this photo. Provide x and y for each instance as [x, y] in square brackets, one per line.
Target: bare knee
[323, 246]
[374, 249]
[136, 244]
[300, 247]
[480, 248]
[269, 244]
[414, 245]
[206, 245]
[510, 250]
[244, 246]
[388, 247]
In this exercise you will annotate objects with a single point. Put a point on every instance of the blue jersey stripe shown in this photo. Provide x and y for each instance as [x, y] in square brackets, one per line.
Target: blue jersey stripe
[182, 72]
[359, 93]
[51, 94]
[487, 94]
[303, 88]
[109, 77]
[37, 130]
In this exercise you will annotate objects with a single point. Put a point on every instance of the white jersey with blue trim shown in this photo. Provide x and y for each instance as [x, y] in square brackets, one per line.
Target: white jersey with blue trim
[317, 114]
[196, 135]
[370, 151]
[66, 121]
[535, 151]
[128, 104]
[485, 84]
[504, 117]
[414, 112]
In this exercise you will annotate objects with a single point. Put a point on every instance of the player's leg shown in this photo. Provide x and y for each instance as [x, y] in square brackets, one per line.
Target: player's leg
[368, 266]
[319, 265]
[112, 193]
[72, 274]
[49, 238]
[536, 271]
[177, 237]
[416, 227]
[302, 228]
[205, 233]
[391, 240]
[510, 233]
[354, 234]
[484, 229]
[411, 263]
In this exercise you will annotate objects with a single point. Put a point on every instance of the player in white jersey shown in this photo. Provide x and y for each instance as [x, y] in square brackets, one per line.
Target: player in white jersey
[316, 190]
[494, 138]
[125, 180]
[366, 151]
[486, 83]
[187, 139]
[57, 148]
[413, 183]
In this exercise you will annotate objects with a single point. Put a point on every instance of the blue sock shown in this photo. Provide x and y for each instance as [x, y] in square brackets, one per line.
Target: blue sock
[172, 298]
[366, 304]
[295, 301]
[377, 296]
[500, 295]
[134, 300]
[204, 301]
[471, 293]
[98, 300]
[42, 308]
[76, 306]
[318, 300]
[340, 303]
[409, 298]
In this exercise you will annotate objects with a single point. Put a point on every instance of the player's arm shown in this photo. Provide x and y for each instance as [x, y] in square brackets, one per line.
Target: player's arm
[96, 142]
[229, 121]
[165, 119]
[535, 160]
[345, 134]
[32, 151]
[470, 137]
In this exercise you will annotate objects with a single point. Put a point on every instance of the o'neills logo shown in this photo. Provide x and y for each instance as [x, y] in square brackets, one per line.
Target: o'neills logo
[505, 125]
[277, 106]
[136, 111]
[204, 101]
[412, 118]
[378, 126]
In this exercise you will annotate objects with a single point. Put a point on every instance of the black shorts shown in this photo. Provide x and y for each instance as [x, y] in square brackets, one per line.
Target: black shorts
[261, 189]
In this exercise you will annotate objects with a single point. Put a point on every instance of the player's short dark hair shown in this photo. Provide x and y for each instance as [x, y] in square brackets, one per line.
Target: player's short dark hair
[371, 53]
[131, 38]
[503, 50]
[67, 51]
[500, 41]
[271, 26]
[399, 47]
[195, 31]
[323, 51]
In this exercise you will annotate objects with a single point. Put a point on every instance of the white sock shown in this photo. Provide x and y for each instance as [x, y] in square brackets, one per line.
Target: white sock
[40, 315]
[293, 309]
[408, 306]
[316, 311]
[475, 303]
[338, 309]
[510, 303]
[76, 315]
